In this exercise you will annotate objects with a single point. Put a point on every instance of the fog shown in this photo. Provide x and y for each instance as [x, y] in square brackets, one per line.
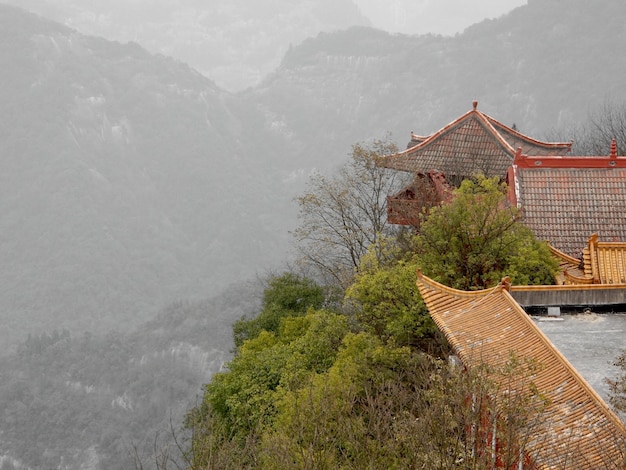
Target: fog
[151, 152]
[446, 17]
[237, 43]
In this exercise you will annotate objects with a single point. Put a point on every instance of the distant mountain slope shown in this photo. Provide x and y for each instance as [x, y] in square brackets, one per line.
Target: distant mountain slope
[542, 66]
[234, 42]
[129, 180]
[124, 184]
[114, 394]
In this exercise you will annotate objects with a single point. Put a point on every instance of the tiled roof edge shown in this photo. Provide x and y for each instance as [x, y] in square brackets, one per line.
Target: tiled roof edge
[575, 374]
[388, 159]
[425, 282]
[566, 287]
[528, 139]
[486, 121]
[451, 290]
[564, 256]
[482, 118]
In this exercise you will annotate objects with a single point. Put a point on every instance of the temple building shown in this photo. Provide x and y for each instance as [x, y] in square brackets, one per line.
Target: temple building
[602, 263]
[578, 205]
[563, 199]
[472, 143]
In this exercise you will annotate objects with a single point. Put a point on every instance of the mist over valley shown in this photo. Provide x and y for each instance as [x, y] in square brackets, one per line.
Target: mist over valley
[142, 199]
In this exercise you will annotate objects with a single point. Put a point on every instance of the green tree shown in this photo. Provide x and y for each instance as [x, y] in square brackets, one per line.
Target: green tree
[383, 407]
[386, 302]
[286, 295]
[343, 215]
[240, 404]
[476, 239]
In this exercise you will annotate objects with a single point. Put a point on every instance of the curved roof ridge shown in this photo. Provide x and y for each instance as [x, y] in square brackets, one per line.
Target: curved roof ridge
[418, 137]
[516, 307]
[472, 113]
[486, 120]
[573, 278]
[441, 131]
[563, 256]
[453, 291]
[529, 139]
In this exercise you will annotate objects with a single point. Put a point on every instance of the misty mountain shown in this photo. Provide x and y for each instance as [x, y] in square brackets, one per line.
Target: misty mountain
[542, 67]
[130, 182]
[117, 400]
[125, 183]
[432, 16]
[234, 42]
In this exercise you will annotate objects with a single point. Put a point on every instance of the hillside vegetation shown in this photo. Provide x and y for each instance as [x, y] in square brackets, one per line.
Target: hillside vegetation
[131, 182]
[114, 401]
[361, 380]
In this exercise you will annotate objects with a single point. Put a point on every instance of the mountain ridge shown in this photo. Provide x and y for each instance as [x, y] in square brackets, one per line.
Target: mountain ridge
[235, 43]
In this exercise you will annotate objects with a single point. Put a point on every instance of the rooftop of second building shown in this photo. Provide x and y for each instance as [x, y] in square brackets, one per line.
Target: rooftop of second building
[473, 142]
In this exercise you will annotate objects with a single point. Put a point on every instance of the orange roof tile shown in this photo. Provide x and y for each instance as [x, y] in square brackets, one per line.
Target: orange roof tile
[474, 142]
[578, 430]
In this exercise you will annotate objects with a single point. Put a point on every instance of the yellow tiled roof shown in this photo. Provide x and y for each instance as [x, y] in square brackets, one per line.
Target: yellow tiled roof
[570, 269]
[579, 430]
[605, 262]
[602, 263]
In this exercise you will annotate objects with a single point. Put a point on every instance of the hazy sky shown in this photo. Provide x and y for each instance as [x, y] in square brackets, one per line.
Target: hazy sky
[432, 16]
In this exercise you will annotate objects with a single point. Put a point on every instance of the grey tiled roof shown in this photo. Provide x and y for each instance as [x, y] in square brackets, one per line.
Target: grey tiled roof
[475, 142]
[566, 205]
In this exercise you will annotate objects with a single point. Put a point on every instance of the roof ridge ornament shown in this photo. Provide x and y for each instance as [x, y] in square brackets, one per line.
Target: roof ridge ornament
[475, 104]
[613, 153]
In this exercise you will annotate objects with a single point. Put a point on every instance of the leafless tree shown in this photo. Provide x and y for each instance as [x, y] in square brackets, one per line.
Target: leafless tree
[341, 216]
[594, 134]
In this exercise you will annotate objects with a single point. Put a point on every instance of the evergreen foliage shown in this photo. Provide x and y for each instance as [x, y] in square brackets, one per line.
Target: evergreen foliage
[364, 388]
[385, 300]
[286, 295]
[476, 239]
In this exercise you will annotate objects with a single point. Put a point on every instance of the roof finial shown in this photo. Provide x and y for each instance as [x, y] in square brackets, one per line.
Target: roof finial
[613, 148]
[475, 104]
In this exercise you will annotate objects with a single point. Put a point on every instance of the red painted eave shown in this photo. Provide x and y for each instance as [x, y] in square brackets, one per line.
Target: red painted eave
[526, 161]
